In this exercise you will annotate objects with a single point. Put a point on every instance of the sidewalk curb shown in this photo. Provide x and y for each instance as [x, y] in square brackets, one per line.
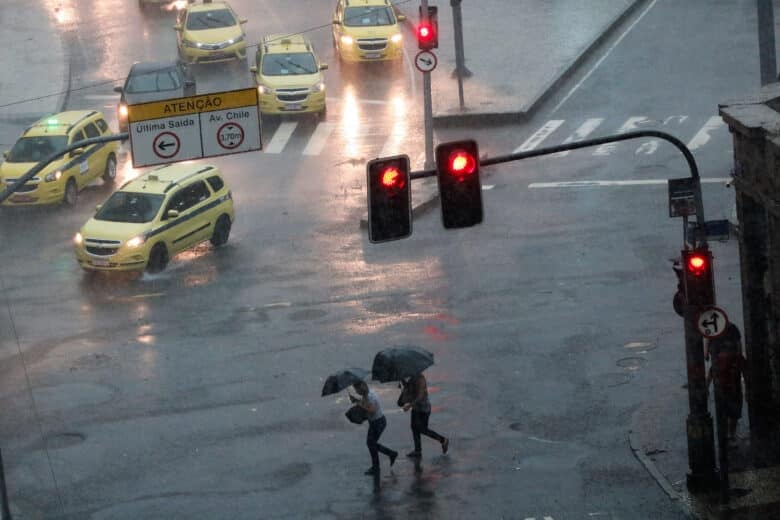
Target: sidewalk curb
[662, 481]
[499, 118]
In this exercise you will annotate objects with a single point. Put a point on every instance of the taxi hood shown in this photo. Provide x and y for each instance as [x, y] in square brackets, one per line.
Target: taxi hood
[14, 170]
[289, 80]
[109, 230]
[214, 35]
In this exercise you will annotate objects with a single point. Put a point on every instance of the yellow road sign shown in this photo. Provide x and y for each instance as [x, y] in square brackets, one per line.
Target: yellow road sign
[192, 105]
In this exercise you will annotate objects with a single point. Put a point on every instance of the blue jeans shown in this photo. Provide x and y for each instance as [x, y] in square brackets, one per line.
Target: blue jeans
[375, 429]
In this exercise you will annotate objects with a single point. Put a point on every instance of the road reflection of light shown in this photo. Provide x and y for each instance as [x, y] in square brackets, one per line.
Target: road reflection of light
[400, 116]
[177, 5]
[127, 173]
[147, 366]
[350, 122]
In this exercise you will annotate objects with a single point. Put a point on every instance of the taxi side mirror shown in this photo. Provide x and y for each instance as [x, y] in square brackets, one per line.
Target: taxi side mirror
[97, 208]
[172, 213]
[324, 66]
[6, 154]
[118, 89]
[253, 69]
[401, 17]
[77, 152]
[177, 27]
[242, 20]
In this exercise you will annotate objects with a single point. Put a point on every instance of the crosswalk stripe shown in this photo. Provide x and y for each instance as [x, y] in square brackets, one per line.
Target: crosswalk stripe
[319, 138]
[702, 137]
[599, 184]
[581, 133]
[540, 135]
[632, 123]
[281, 136]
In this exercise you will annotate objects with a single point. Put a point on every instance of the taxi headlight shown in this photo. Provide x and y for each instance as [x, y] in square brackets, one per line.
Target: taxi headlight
[235, 40]
[78, 239]
[136, 241]
[319, 87]
[53, 176]
[191, 44]
[262, 89]
[396, 38]
[347, 39]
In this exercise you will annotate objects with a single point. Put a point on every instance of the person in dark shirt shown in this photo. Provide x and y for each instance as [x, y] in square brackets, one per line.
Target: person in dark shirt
[414, 397]
[727, 368]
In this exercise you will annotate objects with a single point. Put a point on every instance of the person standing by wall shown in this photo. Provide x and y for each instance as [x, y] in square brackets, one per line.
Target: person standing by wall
[727, 369]
[414, 397]
[376, 425]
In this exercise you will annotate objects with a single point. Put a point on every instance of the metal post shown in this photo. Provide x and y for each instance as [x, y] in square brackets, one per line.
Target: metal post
[5, 509]
[766, 41]
[721, 421]
[460, 60]
[427, 102]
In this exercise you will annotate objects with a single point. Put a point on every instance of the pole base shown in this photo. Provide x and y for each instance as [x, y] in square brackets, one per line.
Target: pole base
[702, 482]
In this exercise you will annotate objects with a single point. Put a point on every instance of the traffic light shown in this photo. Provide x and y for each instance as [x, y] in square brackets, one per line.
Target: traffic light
[460, 192]
[428, 29]
[389, 198]
[698, 276]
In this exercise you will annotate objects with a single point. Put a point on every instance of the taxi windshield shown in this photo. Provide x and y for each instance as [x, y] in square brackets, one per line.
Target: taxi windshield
[155, 81]
[289, 63]
[125, 206]
[367, 16]
[216, 19]
[34, 149]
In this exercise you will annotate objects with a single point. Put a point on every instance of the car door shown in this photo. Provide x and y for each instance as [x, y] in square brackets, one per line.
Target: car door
[190, 225]
[96, 153]
[79, 164]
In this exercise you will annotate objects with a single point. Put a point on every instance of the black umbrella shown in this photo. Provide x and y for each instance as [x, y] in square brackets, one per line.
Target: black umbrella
[341, 380]
[397, 363]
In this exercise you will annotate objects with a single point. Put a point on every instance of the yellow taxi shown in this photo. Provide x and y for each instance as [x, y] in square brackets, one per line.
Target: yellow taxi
[289, 76]
[210, 32]
[63, 178]
[367, 30]
[155, 216]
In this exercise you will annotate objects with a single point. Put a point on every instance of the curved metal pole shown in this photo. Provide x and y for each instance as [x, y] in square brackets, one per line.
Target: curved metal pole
[32, 172]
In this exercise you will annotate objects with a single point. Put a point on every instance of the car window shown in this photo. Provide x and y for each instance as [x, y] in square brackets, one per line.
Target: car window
[289, 63]
[368, 16]
[34, 149]
[125, 206]
[77, 136]
[215, 182]
[102, 125]
[153, 81]
[91, 131]
[188, 197]
[214, 19]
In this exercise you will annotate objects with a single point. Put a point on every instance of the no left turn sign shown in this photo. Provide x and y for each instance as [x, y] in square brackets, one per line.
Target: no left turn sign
[230, 136]
[712, 322]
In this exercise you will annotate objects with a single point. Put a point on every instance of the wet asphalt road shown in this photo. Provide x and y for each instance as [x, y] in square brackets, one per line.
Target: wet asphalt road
[195, 393]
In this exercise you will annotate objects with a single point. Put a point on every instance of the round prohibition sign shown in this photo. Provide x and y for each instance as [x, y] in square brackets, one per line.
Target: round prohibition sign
[166, 145]
[712, 322]
[230, 136]
[425, 61]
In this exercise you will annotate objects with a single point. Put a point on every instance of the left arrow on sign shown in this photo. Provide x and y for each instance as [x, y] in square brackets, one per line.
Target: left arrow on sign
[163, 145]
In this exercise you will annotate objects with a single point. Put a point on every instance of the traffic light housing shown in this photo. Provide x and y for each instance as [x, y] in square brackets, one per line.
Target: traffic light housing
[389, 198]
[460, 191]
[428, 29]
[698, 277]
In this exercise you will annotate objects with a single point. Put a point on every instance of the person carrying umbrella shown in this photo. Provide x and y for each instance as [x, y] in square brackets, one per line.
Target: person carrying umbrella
[415, 398]
[376, 425]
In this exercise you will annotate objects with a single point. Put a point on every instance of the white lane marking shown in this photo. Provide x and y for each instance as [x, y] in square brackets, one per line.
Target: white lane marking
[486, 187]
[599, 184]
[647, 148]
[102, 96]
[281, 136]
[680, 119]
[609, 51]
[581, 133]
[632, 123]
[702, 137]
[540, 135]
[318, 139]
[276, 305]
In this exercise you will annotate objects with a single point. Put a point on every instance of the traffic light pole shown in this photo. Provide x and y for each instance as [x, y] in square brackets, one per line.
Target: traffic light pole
[427, 102]
[701, 448]
[35, 170]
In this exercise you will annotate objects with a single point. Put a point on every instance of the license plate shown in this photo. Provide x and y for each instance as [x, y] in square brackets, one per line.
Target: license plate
[372, 55]
[22, 198]
[99, 262]
[292, 106]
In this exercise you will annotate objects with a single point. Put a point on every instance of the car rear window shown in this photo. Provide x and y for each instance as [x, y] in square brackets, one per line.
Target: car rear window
[215, 182]
[102, 125]
[154, 81]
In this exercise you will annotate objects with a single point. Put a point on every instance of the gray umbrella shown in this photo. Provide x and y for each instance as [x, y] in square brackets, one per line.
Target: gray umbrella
[341, 380]
[397, 363]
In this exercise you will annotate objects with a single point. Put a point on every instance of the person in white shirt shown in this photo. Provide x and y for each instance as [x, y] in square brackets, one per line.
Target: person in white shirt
[376, 425]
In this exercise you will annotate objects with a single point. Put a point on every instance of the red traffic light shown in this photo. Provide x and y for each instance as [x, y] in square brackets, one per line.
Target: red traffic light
[392, 178]
[425, 33]
[461, 163]
[696, 264]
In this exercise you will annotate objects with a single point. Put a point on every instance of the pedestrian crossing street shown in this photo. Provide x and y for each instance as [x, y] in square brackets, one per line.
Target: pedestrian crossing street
[308, 137]
[698, 133]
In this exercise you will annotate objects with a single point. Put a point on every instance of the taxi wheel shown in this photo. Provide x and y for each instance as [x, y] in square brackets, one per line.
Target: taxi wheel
[158, 259]
[109, 174]
[71, 193]
[221, 231]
